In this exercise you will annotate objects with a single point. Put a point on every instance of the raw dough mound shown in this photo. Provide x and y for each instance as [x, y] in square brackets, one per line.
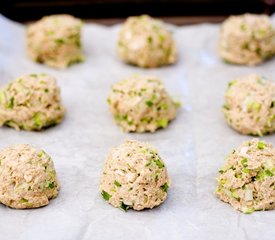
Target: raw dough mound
[247, 39]
[134, 176]
[250, 105]
[141, 103]
[247, 180]
[55, 40]
[27, 177]
[31, 102]
[146, 42]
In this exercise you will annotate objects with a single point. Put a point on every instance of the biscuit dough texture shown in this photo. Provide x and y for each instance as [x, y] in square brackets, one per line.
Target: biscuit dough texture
[250, 105]
[247, 180]
[247, 39]
[31, 102]
[141, 103]
[134, 176]
[27, 177]
[146, 42]
[55, 41]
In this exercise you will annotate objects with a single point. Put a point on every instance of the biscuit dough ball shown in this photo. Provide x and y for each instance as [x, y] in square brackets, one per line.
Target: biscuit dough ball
[134, 176]
[27, 177]
[247, 39]
[141, 103]
[31, 102]
[247, 180]
[55, 41]
[250, 105]
[146, 42]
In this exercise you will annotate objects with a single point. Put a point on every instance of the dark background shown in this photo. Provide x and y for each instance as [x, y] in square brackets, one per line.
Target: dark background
[28, 10]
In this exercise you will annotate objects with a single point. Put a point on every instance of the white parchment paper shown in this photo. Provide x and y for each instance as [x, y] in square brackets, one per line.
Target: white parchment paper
[193, 146]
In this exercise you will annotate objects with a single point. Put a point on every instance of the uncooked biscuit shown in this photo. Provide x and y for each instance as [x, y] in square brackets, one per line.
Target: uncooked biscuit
[141, 103]
[134, 176]
[146, 42]
[55, 41]
[27, 177]
[247, 179]
[31, 102]
[247, 39]
[250, 105]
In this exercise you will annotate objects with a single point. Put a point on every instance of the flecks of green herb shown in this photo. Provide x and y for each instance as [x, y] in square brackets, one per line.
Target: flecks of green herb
[165, 187]
[23, 200]
[244, 162]
[59, 41]
[149, 103]
[124, 206]
[50, 185]
[11, 105]
[159, 163]
[261, 145]
[268, 173]
[37, 120]
[106, 196]
[150, 40]
[117, 183]
[162, 123]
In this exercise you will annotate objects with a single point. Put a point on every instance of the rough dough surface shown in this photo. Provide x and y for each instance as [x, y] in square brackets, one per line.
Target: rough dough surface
[31, 102]
[250, 105]
[55, 41]
[247, 180]
[247, 39]
[141, 103]
[146, 42]
[27, 177]
[134, 176]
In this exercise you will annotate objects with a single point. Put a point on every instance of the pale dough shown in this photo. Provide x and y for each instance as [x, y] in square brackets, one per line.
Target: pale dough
[247, 39]
[140, 103]
[27, 177]
[146, 42]
[55, 41]
[134, 176]
[250, 105]
[247, 180]
[31, 102]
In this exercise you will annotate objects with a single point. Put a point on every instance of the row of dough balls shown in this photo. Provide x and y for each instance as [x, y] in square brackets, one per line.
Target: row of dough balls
[138, 103]
[146, 42]
[56, 41]
[135, 177]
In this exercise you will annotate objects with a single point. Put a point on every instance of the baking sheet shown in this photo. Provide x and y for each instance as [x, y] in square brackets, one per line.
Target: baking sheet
[193, 146]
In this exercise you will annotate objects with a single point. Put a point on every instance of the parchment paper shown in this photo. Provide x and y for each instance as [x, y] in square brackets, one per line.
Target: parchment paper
[193, 146]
